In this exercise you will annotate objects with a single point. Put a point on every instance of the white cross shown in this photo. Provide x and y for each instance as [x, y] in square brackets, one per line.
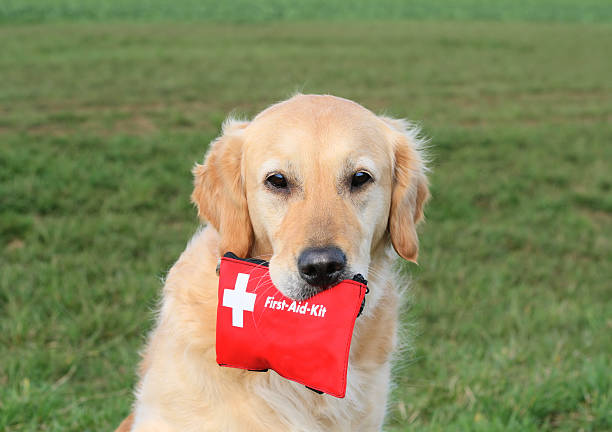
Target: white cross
[238, 299]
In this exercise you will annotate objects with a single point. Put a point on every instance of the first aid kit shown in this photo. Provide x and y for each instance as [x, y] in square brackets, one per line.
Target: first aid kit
[258, 328]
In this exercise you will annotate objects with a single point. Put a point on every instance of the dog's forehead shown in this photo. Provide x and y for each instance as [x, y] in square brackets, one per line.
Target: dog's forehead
[317, 127]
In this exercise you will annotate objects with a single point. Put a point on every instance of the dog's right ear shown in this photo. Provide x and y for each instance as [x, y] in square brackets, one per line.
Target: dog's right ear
[219, 191]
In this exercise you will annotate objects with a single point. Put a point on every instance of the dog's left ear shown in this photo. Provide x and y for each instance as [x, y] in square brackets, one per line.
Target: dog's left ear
[410, 189]
[219, 191]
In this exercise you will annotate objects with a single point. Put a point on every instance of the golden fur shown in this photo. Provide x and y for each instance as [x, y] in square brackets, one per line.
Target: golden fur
[315, 141]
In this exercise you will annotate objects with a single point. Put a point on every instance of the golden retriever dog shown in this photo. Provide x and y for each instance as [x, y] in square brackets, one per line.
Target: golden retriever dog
[323, 189]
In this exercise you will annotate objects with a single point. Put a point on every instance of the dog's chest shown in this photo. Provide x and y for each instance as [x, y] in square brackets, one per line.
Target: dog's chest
[300, 409]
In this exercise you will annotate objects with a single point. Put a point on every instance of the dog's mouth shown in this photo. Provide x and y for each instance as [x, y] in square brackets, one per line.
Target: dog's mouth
[294, 286]
[304, 290]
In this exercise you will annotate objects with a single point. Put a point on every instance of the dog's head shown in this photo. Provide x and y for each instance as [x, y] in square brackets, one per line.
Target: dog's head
[316, 184]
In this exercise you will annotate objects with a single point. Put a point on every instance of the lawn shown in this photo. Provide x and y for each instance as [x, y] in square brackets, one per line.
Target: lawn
[102, 115]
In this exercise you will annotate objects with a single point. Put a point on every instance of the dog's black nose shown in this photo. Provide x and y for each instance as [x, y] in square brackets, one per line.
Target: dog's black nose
[321, 266]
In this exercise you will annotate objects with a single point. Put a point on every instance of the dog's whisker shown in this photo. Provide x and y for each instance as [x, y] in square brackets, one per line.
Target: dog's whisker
[265, 257]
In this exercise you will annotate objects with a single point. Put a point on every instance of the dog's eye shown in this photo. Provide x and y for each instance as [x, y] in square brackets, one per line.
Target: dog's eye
[277, 181]
[359, 179]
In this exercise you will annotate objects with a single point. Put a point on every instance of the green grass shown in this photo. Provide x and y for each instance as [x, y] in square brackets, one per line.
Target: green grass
[20, 11]
[511, 310]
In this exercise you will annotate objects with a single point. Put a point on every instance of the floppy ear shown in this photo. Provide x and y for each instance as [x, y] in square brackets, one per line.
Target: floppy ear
[410, 190]
[219, 191]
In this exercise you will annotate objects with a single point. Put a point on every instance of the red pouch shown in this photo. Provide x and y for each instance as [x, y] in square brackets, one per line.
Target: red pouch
[308, 342]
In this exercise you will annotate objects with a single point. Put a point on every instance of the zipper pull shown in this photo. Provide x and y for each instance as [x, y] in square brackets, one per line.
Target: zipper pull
[359, 278]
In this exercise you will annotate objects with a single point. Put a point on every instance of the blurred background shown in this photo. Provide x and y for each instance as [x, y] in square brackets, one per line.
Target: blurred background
[106, 105]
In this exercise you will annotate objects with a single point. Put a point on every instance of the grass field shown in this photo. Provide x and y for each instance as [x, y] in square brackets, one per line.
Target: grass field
[102, 117]
[23, 11]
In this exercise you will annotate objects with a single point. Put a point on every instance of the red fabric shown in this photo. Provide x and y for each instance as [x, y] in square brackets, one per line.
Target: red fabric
[307, 342]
